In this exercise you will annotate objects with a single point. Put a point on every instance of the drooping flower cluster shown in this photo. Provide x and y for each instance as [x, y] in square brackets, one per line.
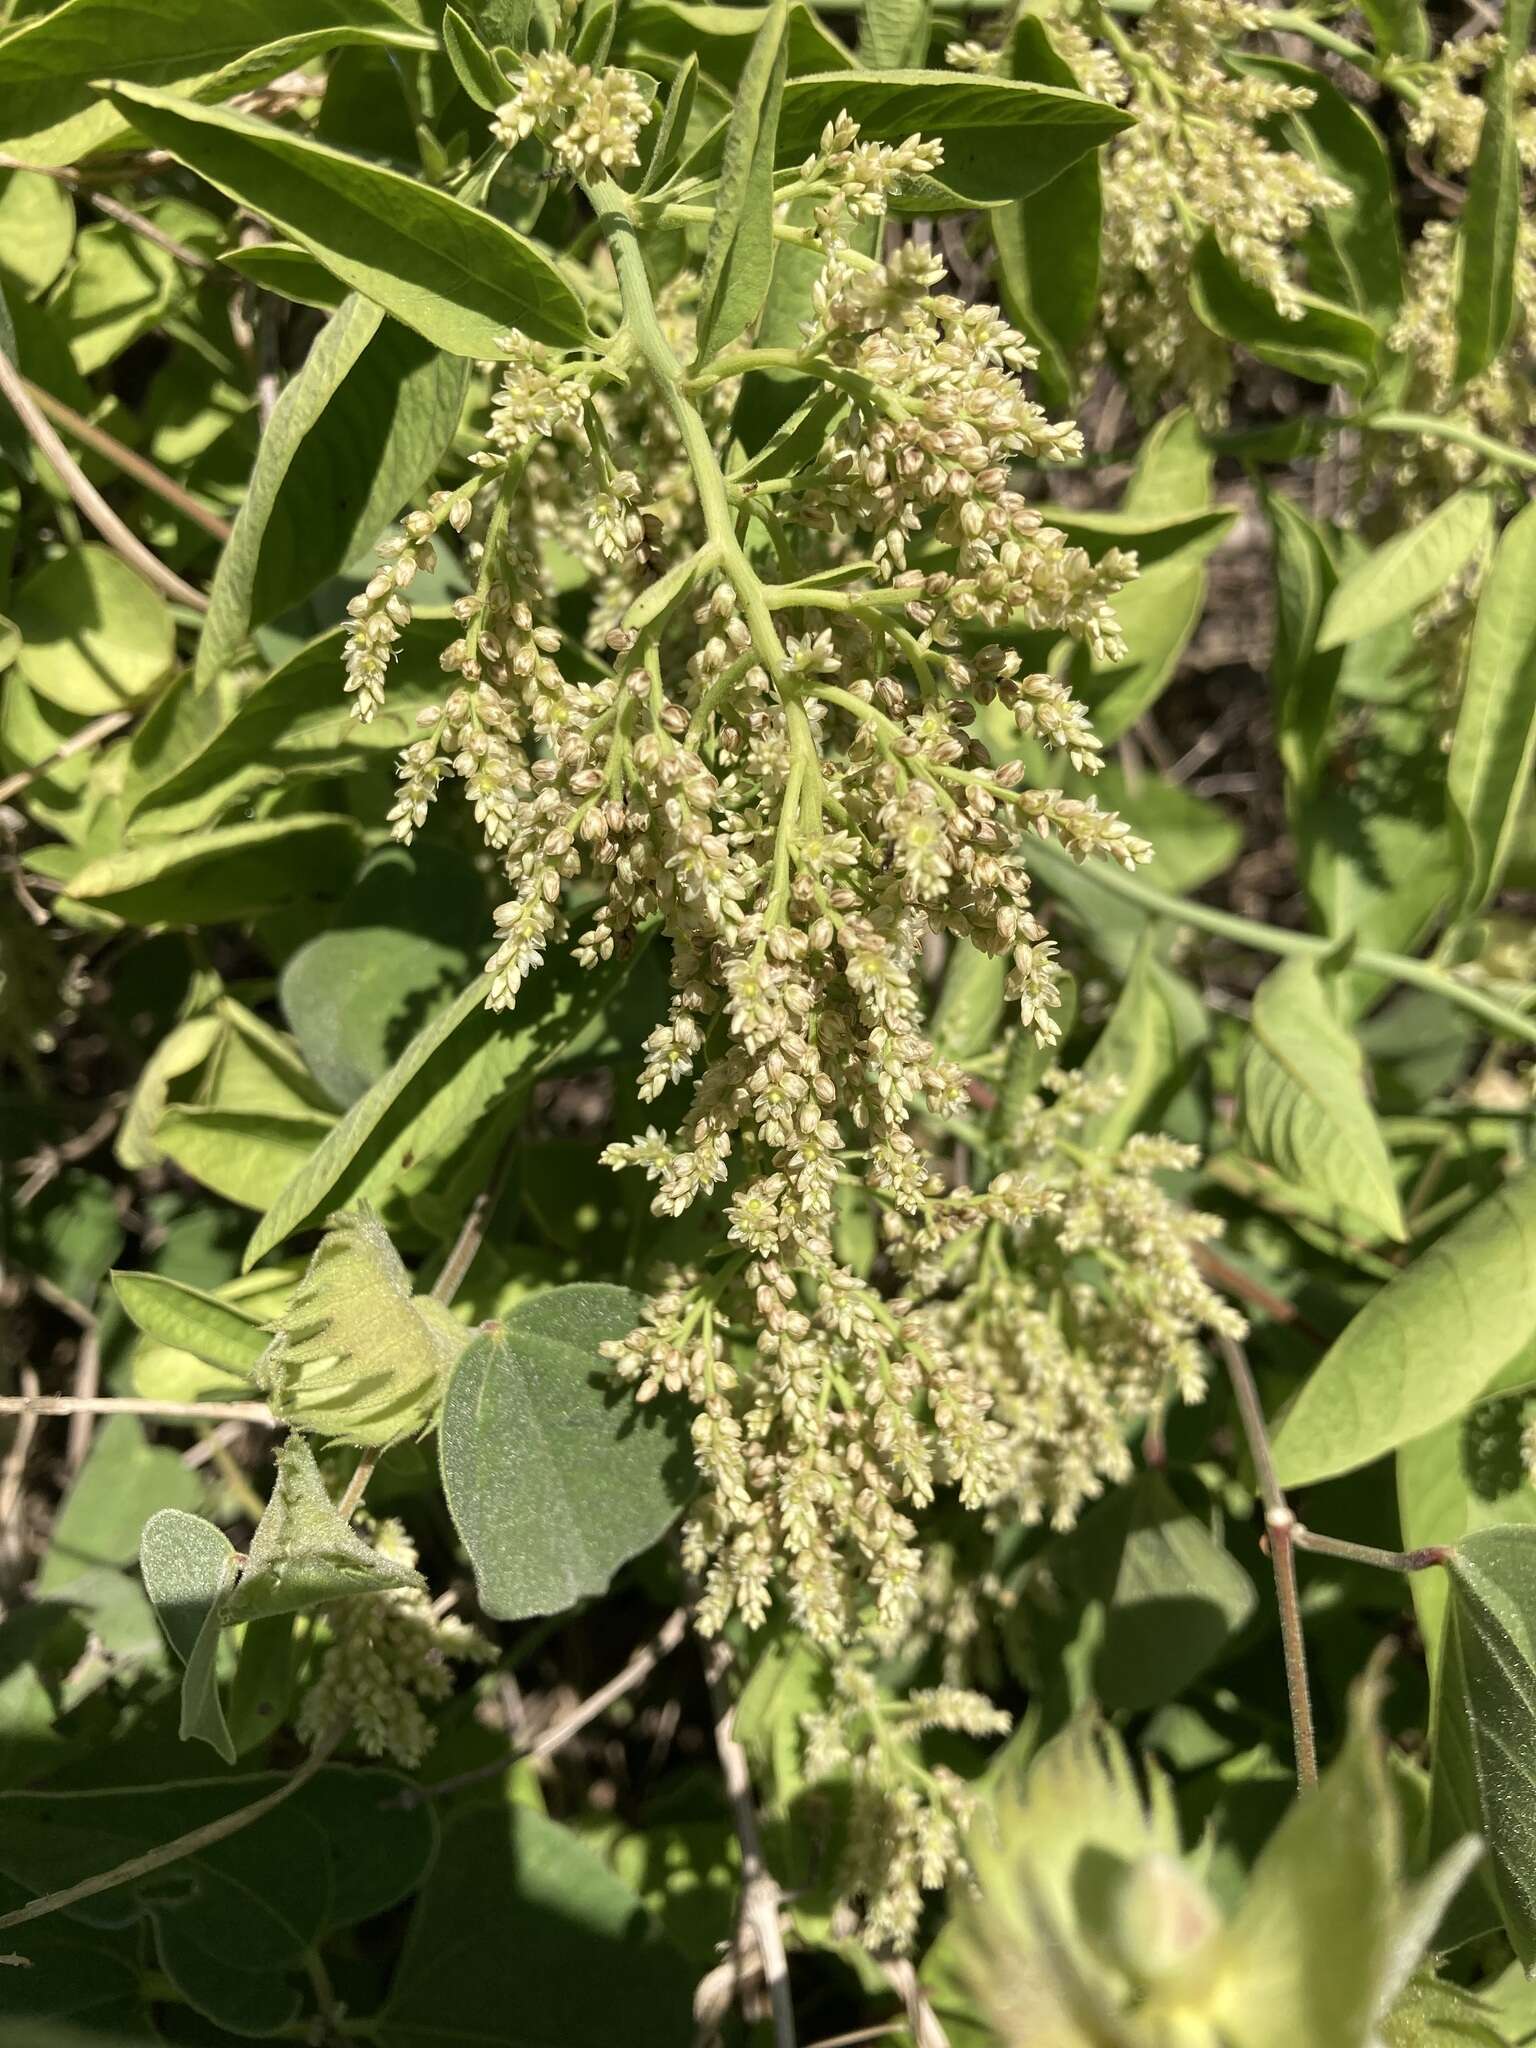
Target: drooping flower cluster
[389, 1657]
[1041, 1320]
[770, 750]
[907, 1821]
[1447, 123]
[1199, 161]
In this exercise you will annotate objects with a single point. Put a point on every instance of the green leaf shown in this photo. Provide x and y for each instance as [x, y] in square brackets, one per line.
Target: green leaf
[1484, 1776]
[1467, 1474]
[303, 1554]
[1159, 611]
[403, 941]
[37, 229]
[1406, 571]
[246, 1155]
[1341, 140]
[190, 1320]
[188, 1566]
[1302, 1100]
[893, 34]
[457, 276]
[473, 65]
[293, 723]
[1002, 139]
[120, 1485]
[720, 38]
[49, 109]
[602, 1972]
[1399, 27]
[738, 258]
[95, 637]
[230, 872]
[671, 131]
[353, 436]
[1495, 741]
[1424, 1346]
[1048, 243]
[288, 270]
[1304, 678]
[1487, 236]
[969, 1012]
[1172, 1598]
[357, 1354]
[1326, 344]
[554, 1475]
[454, 1072]
[1149, 1046]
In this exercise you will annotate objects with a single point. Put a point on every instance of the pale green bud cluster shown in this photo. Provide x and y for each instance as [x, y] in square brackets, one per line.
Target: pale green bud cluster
[907, 1821]
[387, 1659]
[590, 121]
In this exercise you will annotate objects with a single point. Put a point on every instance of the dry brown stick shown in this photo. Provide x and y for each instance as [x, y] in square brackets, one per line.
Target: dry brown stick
[129, 461]
[170, 1852]
[125, 1404]
[13, 1477]
[87, 1386]
[762, 1902]
[13, 386]
[470, 1238]
[639, 1668]
[98, 729]
[926, 2027]
[1280, 1525]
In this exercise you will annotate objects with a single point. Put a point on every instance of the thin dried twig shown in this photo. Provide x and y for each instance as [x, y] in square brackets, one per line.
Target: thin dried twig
[13, 386]
[639, 1668]
[175, 1851]
[114, 209]
[1280, 1525]
[157, 1411]
[926, 2028]
[98, 729]
[761, 1900]
[129, 461]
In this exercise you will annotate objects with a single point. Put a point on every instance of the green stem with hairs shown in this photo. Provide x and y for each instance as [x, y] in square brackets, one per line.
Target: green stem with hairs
[1269, 938]
[616, 217]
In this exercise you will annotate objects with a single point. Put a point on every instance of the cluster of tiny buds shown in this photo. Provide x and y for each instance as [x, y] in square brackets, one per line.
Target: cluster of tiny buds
[590, 121]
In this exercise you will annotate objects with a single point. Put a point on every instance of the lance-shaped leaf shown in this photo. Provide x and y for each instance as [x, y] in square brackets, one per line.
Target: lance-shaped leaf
[1495, 744]
[50, 112]
[188, 1566]
[1487, 236]
[738, 260]
[458, 276]
[1001, 138]
[1408, 570]
[357, 1355]
[1424, 1346]
[1302, 1100]
[1484, 1777]
[354, 436]
[218, 1332]
[303, 1554]
[554, 1475]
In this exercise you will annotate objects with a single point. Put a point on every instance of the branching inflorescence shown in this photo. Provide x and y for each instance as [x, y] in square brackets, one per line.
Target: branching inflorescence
[778, 762]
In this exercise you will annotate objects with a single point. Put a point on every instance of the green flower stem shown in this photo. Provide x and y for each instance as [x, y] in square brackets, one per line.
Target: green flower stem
[677, 212]
[1425, 426]
[1269, 938]
[1294, 21]
[1366, 1553]
[612, 206]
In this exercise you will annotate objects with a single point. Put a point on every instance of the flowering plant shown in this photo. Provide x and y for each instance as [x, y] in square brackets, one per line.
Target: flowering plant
[642, 1016]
